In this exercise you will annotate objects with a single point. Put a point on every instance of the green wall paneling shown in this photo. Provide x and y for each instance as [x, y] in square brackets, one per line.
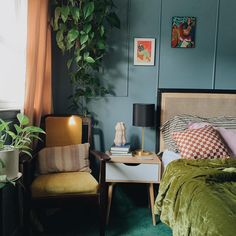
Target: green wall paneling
[226, 51]
[188, 67]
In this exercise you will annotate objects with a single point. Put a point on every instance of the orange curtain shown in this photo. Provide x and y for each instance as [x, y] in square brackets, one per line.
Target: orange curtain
[38, 88]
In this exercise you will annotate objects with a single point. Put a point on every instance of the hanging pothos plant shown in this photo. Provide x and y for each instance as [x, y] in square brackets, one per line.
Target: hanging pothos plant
[81, 31]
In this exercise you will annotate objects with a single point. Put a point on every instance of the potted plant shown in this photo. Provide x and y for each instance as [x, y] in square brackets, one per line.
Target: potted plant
[81, 28]
[13, 142]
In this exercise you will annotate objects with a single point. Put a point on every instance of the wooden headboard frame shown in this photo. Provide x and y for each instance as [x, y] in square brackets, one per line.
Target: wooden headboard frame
[203, 103]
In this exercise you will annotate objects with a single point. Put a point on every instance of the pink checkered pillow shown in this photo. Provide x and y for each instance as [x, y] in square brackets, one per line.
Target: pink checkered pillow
[202, 143]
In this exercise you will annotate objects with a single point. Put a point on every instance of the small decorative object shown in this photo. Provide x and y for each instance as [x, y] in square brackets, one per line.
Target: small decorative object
[20, 141]
[183, 32]
[143, 116]
[120, 134]
[144, 50]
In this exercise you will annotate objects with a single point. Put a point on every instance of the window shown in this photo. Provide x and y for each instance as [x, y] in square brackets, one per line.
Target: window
[13, 34]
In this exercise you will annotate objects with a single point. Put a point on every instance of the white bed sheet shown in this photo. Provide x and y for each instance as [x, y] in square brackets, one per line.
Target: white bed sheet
[169, 156]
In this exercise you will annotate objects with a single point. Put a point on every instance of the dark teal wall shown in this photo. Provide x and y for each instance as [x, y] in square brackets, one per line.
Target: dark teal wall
[210, 65]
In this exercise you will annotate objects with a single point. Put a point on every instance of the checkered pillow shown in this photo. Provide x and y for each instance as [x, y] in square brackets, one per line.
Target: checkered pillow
[202, 143]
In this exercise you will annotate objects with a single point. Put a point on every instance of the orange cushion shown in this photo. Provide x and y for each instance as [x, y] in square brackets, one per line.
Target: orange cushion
[62, 131]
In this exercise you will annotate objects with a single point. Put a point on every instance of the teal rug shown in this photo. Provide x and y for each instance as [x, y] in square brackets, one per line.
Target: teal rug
[129, 216]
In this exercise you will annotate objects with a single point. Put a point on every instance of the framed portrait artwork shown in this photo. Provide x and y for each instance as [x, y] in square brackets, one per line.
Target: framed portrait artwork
[183, 32]
[144, 51]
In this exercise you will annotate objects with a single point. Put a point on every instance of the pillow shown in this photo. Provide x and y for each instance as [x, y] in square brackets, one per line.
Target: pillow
[64, 159]
[180, 123]
[229, 135]
[195, 125]
[202, 143]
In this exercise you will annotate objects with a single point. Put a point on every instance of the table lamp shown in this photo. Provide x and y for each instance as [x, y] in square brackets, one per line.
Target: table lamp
[143, 116]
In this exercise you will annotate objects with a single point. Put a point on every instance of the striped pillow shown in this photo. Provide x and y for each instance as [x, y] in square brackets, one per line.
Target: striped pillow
[180, 123]
[64, 159]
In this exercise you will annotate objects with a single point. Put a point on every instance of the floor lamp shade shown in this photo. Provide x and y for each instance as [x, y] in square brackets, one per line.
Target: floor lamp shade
[143, 115]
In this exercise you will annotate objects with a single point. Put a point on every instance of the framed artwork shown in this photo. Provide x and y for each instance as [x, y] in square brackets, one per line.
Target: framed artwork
[183, 32]
[144, 51]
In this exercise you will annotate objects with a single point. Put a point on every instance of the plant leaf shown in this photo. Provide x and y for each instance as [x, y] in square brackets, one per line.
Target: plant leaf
[17, 128]
[86, 54]
[88, 9]
[75, 11]
[69, 62]
[65, 10]
[78, 58]
[59, 36]
[12, 134]
[72, 35]
[61, 45]
[83, 38]
[33, 129]
[87, 28]
[56, 17]
[28, 153]
[101, 44]
[23, 120]
[102, 30]
[89, 60]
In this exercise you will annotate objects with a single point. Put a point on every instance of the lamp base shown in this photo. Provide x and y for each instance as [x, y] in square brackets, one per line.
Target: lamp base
[141, 152]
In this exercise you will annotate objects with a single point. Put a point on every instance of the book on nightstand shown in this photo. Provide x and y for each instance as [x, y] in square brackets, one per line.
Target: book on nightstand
[123, 148]
[128, 154]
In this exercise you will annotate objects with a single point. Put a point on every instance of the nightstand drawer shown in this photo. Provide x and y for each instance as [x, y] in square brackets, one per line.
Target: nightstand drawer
[142, 173]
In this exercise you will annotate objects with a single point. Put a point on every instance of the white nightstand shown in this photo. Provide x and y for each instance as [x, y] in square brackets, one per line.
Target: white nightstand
[118, 170]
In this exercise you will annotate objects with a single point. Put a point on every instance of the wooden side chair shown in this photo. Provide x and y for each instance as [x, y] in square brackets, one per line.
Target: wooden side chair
[65, 177]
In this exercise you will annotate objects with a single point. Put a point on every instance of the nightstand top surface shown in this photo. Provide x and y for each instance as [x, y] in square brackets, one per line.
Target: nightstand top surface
[134, 159]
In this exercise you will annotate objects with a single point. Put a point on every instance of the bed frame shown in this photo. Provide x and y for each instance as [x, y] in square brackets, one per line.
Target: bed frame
[204, 103]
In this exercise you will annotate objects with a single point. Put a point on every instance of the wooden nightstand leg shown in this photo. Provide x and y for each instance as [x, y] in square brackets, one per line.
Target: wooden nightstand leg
[151, 194]
[110, 189]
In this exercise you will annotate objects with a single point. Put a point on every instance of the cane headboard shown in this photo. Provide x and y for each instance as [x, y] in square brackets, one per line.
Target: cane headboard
[203, 103]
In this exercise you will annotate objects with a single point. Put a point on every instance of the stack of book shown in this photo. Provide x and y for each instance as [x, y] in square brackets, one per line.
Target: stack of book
[120, 151]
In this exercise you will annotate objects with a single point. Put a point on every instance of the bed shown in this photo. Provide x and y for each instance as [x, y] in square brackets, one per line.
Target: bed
[197, 193]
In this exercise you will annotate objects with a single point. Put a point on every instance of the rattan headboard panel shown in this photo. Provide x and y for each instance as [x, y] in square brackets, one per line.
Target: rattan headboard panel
[195, 103]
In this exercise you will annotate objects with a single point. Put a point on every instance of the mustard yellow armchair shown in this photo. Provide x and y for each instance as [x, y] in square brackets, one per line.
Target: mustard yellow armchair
[64, 175]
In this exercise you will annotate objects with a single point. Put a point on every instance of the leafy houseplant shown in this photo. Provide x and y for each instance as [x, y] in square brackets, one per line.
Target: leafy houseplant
[14, 142]
[81, 32]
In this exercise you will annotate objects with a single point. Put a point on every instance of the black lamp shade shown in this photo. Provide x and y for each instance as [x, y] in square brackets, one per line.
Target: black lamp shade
[143, 114]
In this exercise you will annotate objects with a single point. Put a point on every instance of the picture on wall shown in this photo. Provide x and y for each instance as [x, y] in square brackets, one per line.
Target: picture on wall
[144, 51]
[183, 32]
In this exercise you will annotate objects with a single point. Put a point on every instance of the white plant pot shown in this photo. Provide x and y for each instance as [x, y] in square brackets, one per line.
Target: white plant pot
[10, 157]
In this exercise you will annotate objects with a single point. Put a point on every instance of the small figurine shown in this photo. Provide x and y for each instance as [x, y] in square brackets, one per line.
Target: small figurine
[120, 134]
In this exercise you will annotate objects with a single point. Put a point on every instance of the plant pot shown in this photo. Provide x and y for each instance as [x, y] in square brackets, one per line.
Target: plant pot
[10, 157]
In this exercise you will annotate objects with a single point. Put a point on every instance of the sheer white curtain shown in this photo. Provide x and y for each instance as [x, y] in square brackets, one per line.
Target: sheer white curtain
[13, 34]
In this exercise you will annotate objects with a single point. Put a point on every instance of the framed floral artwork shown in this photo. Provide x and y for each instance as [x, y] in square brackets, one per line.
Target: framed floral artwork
[144, 51]
[183, 32]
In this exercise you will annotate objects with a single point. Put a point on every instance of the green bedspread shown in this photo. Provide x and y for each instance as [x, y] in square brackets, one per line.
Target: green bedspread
[198, 197]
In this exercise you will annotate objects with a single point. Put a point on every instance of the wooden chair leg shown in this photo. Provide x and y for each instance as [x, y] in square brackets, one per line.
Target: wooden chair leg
[102, 211]
[110, 190]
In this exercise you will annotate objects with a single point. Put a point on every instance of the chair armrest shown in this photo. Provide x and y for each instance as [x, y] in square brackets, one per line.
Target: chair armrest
[101, 156]
[26, 164]
[102, 159]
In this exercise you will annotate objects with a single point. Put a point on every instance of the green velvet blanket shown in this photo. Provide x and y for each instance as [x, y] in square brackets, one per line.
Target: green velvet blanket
[198, 197]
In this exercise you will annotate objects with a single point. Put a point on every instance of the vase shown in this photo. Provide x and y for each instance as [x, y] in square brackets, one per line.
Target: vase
[10, 158]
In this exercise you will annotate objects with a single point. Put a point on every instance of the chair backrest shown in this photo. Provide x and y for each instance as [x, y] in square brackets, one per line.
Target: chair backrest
[67, 130]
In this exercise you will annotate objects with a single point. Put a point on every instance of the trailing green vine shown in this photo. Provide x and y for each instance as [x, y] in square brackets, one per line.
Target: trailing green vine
[81, 28]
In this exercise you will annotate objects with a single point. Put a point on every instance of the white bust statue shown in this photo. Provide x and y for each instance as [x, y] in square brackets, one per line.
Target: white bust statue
[120, 134]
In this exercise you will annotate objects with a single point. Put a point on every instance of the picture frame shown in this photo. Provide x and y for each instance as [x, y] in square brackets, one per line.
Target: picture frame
[183, 31]
[144, 51]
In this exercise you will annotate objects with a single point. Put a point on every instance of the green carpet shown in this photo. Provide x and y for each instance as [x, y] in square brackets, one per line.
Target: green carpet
[130, 216]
